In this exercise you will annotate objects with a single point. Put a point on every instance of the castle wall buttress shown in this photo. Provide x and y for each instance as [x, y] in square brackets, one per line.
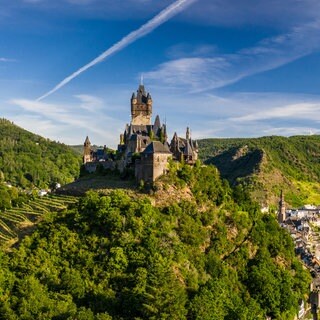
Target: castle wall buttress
[160, 165]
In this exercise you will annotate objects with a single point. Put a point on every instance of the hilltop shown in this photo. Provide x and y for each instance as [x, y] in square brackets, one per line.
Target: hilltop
[27, 159]
[268, 164]
[209, 255]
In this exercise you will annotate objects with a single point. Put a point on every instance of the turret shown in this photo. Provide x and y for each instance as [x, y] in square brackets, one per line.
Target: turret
[196, 146]
[87, 150]
[175, 137]
[157, 125]
[121, 139]
[141, 107]
[165, 133]
[133, 102]
[87, 142]
[188, 134]
[149, 100]
[174, 145]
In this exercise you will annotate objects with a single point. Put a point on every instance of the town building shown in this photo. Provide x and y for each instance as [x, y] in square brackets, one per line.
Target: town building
[143, 146]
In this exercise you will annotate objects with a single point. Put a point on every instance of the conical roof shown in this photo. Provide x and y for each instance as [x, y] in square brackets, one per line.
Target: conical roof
[87, 141]
[156, 125]
[187, 149]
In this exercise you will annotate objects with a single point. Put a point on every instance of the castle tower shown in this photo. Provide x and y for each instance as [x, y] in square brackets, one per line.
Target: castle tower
[282, 209]
[121, 139]
[141, 107]
[87, 150]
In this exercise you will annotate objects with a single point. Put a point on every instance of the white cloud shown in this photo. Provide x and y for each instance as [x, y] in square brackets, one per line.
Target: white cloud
[275, 13]
[300, 111]
[89, 102]
[7, 60]
[70, 122]
[241, 114]
[285, 131]
[216, 71]
[208, 115]
[188, 50]
[198, 74]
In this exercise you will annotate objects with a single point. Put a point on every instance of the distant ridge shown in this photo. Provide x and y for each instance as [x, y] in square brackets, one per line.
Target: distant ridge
[269, 164]
[27, 159]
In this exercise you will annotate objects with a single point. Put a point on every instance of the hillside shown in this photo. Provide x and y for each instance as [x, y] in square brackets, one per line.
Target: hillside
[269, 164]
[211, 255]
[27, 159]
[79, 148]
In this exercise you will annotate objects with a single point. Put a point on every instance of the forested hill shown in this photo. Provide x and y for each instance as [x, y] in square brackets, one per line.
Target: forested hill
[269, 164]
[212, 255]
[27, 159]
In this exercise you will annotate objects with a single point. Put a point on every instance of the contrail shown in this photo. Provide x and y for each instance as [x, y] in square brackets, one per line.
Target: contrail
[145, 29]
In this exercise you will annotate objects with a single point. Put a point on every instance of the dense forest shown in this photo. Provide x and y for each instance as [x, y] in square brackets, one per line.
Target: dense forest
[269, 164]
[29, 160]
[213, 256]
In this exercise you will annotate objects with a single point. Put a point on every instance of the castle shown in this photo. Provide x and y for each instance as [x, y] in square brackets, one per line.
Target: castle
[143, 146]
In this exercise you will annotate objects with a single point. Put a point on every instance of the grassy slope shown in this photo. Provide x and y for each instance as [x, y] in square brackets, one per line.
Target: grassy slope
[269, 164]
[27, 159]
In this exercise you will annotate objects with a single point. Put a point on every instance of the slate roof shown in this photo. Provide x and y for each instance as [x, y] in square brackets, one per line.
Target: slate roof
[141, 94]
[187, 149]
[156, 147]
[157, 125]
[140, 128]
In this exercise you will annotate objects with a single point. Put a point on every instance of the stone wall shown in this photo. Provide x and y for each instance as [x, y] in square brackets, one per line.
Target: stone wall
[151, 166]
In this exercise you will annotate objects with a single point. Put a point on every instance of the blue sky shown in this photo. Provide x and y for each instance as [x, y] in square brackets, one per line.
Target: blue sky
[226, 68]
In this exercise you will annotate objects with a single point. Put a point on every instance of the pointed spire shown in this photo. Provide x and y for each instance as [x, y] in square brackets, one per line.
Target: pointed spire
[165, 132]
[175, 142]
[188, 134]
[87, 151]
[87, 142]
[141, 79]
[187, 149]
[157, 124]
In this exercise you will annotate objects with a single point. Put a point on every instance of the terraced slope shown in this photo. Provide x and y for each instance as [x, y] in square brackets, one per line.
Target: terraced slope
[15, 220]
